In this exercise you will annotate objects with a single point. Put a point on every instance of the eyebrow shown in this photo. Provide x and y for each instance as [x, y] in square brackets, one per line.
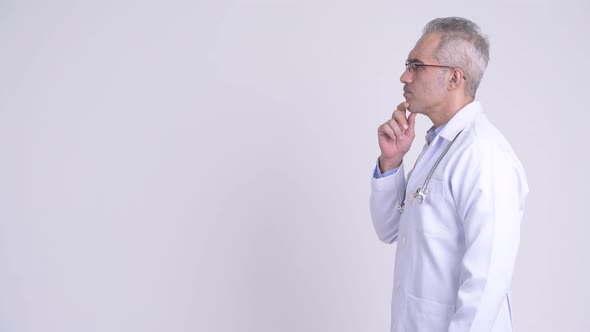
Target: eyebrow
[415, 60]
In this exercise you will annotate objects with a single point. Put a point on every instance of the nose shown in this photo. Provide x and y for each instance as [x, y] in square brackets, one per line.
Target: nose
[406, 77]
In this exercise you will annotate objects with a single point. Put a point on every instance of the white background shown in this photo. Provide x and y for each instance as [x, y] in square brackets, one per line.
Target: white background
[205, 166]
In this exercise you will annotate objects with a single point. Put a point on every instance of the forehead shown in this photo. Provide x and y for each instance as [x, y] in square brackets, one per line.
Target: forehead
[425, 47]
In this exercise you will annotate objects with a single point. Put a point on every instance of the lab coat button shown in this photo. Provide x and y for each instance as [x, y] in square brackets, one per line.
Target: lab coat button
[404, 240]
[397, 285]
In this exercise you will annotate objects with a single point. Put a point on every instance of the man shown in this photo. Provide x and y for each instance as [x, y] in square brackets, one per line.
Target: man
[456, 218]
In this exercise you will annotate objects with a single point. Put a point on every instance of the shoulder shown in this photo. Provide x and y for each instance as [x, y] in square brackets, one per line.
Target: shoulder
[481, 140]
[483, 150]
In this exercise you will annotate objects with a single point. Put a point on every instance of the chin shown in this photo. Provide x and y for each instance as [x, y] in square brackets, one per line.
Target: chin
[414, 109]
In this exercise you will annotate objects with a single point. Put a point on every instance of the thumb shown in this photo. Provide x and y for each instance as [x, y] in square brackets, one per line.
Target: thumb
[412, 122]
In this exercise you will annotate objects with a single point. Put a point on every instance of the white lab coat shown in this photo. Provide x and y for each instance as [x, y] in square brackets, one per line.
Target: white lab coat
[456, 250]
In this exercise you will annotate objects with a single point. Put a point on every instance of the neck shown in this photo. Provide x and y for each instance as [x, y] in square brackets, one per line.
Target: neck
[447, 111]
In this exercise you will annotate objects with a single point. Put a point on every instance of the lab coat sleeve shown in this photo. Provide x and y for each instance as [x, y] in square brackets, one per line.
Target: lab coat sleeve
[386, 195]
[489, 188]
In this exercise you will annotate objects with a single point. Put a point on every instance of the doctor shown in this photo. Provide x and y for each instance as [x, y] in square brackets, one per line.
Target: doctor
[456, 218]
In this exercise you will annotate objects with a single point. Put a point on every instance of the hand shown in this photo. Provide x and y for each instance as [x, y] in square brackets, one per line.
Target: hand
[395, 137]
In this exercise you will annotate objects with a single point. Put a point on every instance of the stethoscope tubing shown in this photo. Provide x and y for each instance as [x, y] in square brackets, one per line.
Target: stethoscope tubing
[422, 192]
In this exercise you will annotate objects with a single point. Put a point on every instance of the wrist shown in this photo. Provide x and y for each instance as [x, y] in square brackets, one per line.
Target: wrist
[387, 164]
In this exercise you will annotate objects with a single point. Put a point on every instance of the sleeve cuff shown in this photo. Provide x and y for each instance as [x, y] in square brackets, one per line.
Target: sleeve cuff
[377, 173]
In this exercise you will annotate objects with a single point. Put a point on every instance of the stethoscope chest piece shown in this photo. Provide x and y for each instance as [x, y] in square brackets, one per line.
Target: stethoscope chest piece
[420, 194]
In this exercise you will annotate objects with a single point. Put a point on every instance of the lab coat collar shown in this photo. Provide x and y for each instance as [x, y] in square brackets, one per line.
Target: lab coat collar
[461, 120]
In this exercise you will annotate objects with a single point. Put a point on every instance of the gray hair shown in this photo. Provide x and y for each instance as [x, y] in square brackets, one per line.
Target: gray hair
[462, 45]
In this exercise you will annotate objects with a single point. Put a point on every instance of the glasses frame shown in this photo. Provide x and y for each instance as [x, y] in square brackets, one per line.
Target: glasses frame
[412, 66]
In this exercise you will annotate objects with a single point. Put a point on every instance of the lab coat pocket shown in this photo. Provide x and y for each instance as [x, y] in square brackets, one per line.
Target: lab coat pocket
[427, 316]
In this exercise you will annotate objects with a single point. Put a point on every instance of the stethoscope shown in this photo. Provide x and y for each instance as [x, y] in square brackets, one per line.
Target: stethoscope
[422, 192]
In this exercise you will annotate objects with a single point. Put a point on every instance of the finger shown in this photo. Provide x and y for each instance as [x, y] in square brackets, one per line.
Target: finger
[399, 134]
[401, 108]
[412, 124]
[386, 130]
[400, 116]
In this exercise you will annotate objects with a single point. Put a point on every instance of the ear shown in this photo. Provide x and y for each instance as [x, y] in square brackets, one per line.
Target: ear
[456, 80]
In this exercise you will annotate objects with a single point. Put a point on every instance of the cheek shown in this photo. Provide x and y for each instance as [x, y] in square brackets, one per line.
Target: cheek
[435, 88]
[426, 90]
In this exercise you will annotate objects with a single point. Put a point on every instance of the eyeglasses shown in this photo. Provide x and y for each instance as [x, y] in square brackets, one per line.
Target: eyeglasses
[412, 66]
